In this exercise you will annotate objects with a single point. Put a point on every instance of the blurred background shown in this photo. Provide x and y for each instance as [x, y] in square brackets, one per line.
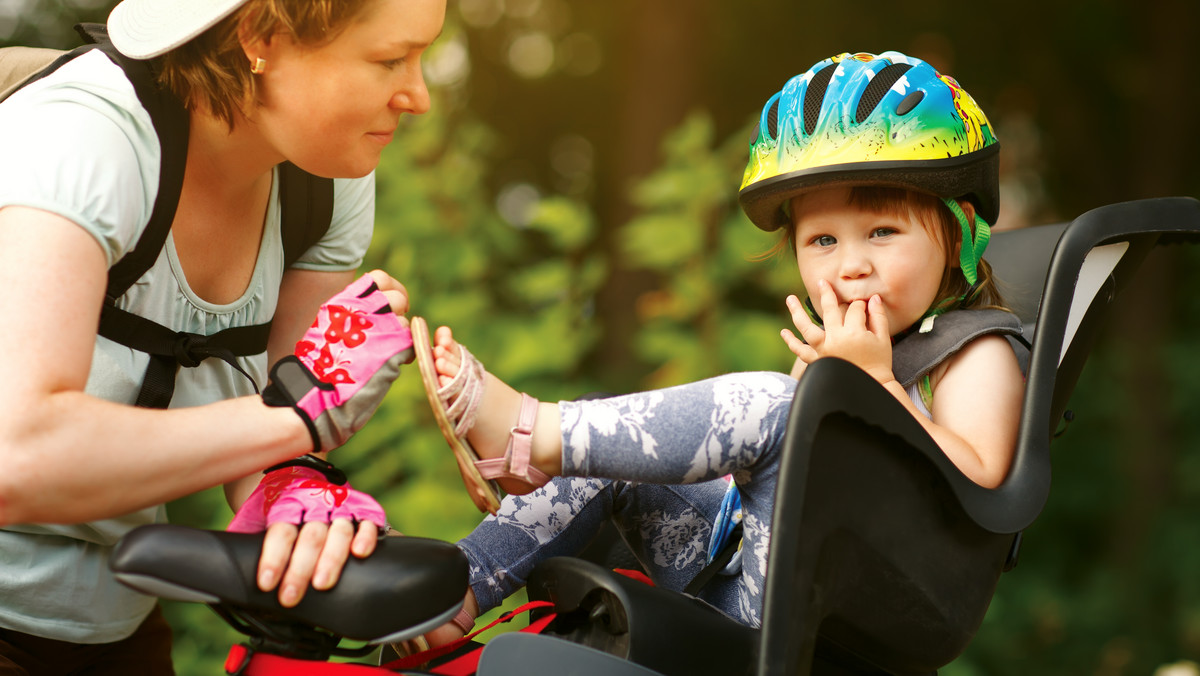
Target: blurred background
[569, 208]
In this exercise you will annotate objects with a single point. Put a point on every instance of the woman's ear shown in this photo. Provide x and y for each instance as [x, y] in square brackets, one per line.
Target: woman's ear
[254, 46]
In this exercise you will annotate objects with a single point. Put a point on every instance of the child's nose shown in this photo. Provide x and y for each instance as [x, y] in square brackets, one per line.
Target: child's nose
[854, 263]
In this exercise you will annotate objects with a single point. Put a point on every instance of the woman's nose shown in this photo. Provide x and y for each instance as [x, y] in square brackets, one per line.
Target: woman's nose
[413, 96]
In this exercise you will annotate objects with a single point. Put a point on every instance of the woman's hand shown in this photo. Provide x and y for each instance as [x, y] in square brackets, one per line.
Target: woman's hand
[394, 291]
[292, 556]
[344, 364]
[859, 334]
[309, 522]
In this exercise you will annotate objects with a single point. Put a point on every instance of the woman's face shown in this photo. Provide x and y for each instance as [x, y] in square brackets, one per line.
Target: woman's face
[331, 109]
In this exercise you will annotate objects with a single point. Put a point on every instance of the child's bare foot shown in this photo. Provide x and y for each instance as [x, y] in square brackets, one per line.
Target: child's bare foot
[497, 416]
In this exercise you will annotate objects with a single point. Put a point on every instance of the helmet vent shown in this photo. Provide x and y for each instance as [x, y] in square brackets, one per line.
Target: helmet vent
[877, 88]
[910, 102]
[773, 120]
[814, 96]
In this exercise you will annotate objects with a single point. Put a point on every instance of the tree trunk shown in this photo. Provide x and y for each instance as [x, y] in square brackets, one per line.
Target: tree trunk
[658, 74]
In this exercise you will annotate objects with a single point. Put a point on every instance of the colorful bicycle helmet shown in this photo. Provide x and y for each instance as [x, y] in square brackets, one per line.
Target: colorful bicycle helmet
[886, 119]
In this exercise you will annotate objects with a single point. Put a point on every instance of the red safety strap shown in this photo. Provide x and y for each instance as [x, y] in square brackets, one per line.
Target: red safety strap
[242, 661]
[635, 575]
[466, 664]
[246, 662]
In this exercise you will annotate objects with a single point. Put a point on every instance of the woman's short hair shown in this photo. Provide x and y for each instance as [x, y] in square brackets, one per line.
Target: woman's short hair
[212, 72]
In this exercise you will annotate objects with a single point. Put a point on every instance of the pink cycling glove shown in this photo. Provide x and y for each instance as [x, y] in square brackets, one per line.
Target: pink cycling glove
[297, 495]
[343, 366]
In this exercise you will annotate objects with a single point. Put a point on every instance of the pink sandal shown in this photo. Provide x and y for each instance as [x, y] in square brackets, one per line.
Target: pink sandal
[459, 400]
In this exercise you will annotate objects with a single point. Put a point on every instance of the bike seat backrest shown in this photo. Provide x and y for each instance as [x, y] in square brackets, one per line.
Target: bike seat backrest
[1019, 260]
[1095, 257]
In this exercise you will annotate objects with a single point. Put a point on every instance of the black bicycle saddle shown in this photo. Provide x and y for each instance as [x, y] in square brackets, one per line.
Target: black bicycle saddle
[408, 586]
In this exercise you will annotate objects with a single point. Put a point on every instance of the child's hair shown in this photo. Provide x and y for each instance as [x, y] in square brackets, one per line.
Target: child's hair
[211, 70]
[932, 213]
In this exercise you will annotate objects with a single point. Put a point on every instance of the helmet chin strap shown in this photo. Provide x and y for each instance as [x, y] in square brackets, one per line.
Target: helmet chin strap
[972, 248]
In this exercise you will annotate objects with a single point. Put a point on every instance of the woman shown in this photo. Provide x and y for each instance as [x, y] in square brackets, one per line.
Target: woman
[319, 83]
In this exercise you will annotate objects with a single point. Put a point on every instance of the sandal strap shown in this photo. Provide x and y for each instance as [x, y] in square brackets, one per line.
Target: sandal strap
[466, 391]
[464, 621]
[515, 463]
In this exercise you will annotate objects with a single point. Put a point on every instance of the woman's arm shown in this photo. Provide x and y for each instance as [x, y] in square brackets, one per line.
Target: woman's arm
[291, 556]
[71, 457]
[300, 295]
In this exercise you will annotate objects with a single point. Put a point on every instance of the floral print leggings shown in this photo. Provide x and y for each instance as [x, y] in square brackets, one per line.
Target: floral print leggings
[654, 463]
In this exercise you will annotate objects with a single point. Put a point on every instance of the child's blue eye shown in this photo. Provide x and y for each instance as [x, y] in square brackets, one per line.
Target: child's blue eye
[824, 240]
[882, 232]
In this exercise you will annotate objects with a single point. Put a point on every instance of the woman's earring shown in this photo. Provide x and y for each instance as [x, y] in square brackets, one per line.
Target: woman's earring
[259, 67]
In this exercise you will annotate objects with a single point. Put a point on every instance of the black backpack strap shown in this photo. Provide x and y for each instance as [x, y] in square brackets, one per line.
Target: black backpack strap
[169, 349]
[306, 209]
[170, 120]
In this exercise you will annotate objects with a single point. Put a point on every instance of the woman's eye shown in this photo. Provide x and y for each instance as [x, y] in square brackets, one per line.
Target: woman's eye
[392, 64]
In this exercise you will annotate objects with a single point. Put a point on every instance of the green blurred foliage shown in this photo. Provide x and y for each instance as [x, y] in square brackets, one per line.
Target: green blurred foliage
[718, 309]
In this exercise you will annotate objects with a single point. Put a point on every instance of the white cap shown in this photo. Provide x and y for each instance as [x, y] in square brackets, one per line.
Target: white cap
[144, 29]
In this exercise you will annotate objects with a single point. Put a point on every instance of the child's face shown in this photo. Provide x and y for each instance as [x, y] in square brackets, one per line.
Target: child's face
[862, 253]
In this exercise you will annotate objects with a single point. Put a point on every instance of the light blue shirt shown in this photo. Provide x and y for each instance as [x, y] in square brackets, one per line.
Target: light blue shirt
[80, 145]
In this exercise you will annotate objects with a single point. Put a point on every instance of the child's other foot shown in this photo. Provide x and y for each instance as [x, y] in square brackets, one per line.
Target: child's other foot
[497, 415]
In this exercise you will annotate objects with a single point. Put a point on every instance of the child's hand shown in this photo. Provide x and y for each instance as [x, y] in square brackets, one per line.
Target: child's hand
[859, 335]
[814, 336]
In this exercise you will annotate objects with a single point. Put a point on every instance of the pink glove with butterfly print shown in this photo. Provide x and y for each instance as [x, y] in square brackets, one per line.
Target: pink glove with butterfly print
[343, 366]
[299, 494]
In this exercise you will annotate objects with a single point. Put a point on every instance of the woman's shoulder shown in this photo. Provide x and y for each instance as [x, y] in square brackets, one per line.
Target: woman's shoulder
[90, 81]
[79, 144]
[86, 107]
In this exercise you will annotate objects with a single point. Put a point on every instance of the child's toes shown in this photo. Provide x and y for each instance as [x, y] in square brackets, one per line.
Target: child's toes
[445, 370]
